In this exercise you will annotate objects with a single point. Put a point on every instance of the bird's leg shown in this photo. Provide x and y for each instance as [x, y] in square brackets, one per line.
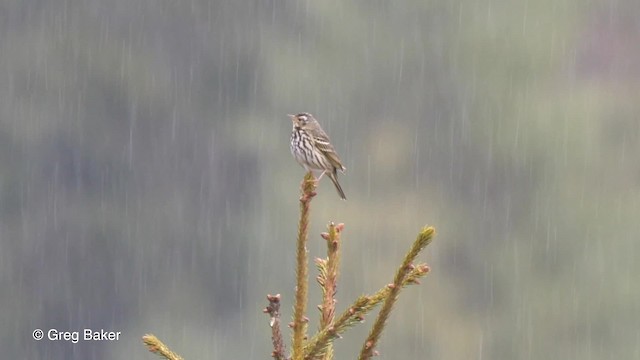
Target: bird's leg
[321, 175]
[315, 179]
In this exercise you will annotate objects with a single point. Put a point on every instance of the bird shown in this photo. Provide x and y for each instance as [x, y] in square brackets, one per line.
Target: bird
[312, 149]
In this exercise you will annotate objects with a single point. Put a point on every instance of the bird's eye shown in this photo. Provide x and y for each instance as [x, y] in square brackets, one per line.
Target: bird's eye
[302, 118]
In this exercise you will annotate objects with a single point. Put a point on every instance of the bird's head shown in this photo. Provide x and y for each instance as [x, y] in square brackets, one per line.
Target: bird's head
[300, 121]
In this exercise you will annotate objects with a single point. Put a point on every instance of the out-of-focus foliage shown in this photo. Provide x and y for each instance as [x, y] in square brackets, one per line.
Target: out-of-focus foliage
[146, 183]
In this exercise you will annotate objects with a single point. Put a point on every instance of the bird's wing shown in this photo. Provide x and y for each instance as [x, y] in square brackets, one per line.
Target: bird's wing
[323, 144]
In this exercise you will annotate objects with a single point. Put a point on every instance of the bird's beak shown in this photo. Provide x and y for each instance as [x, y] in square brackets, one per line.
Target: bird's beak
[293, 117]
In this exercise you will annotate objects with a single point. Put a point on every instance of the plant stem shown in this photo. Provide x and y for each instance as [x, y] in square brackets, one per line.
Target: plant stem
[424, 238]
[308, 187]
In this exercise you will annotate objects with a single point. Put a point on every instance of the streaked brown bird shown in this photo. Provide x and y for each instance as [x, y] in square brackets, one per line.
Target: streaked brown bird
[312, 149]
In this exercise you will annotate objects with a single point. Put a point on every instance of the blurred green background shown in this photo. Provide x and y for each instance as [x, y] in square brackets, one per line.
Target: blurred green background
[146, 183]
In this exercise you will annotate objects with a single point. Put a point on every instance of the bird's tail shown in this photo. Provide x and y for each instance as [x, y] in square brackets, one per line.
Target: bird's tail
[334, 178]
